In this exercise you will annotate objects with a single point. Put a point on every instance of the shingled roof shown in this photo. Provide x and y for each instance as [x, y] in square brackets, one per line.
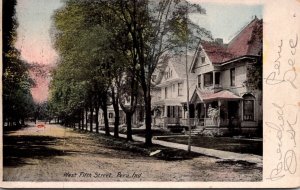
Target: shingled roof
[247, 42]
[216, 52]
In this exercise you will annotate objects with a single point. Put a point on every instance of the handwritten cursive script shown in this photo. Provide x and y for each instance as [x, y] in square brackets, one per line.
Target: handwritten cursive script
[288, 75]
[284, 129]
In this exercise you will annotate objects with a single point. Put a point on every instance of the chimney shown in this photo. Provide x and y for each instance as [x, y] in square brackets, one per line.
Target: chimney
[219, 41]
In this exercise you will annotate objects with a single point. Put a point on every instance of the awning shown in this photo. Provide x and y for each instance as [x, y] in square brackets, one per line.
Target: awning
[208, 96]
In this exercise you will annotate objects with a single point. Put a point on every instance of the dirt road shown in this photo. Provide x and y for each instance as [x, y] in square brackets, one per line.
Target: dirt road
[55, 153]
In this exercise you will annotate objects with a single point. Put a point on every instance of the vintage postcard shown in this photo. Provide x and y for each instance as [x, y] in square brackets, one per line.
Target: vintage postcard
[150, 93]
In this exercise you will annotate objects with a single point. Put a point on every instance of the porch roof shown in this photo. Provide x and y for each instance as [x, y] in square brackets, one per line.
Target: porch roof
[208, 96]
[168, 102]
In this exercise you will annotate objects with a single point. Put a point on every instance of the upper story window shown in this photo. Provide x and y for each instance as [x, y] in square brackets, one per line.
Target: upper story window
[180, 89]
[202, 59]
[168, 74]
[217, 78]
[208, 79]
[173, 88]
[199, 81]
[166, 92]
[232, 77]
[110, 115]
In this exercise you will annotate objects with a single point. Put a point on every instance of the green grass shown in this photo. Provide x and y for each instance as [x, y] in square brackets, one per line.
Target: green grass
[221, 143]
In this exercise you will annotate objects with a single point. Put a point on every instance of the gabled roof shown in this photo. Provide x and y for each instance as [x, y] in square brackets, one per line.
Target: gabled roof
[247, 42]
[216, 52]
[179, 64]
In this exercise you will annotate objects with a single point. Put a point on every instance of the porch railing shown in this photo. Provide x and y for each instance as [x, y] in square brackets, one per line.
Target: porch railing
[213, 122]
[177, 121]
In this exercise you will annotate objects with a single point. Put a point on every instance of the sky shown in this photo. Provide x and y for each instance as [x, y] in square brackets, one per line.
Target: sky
[34, 18]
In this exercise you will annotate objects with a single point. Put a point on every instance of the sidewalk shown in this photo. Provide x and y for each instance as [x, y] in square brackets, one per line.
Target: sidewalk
[205, 151]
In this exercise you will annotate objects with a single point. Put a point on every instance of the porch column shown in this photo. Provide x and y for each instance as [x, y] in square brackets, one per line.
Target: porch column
[214, 79]
[194, 121]
[165, 116]
[153, 117]
[204, 105]
[219, 110]
[165, 111]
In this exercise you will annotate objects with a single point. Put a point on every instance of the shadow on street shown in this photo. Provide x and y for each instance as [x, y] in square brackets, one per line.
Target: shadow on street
[18, 149]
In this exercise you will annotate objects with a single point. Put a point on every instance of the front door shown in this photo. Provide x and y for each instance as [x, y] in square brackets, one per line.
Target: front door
[233, 112]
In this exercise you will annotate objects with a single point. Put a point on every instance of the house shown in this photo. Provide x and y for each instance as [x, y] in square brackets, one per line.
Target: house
[170, 94]
[221, 101]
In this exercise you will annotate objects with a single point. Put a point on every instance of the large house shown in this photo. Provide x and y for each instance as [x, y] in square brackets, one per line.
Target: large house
[171, 96]
[221, 100]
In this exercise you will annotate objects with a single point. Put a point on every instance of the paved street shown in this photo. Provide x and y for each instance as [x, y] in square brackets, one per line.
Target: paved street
[55, 153]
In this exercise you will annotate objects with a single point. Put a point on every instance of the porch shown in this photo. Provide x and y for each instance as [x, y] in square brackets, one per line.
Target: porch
[194, 122]
[220, 109]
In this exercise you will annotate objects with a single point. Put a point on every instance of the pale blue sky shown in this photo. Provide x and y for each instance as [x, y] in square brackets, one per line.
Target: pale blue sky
[34, 17]
[224, 20]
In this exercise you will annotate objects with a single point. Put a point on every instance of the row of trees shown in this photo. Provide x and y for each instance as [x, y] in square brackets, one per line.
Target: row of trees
[109, 50]
[18, 103]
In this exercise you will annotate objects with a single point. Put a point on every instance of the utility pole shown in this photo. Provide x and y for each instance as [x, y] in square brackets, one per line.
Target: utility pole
[187, 83]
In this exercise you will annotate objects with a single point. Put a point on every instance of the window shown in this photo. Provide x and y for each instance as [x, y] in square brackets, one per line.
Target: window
[248, 108]
[217, 78]
[232, 77]
[166, 92]
[173, 88]
[110, 115]
[199, 81]
[180, 89]
[208, 79]
[168, 74]
[202, 59]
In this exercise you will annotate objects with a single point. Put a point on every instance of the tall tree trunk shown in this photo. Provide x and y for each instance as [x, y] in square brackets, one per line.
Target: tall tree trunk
[91, 118]
[79, 119]
[82, 119]
[105, 115]
[129, 127]
[86, 119]
[115, 102]
[148, 135]
[97, 119]
[117, 122]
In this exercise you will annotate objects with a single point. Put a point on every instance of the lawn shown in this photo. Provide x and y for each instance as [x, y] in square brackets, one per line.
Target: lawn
[221, 143]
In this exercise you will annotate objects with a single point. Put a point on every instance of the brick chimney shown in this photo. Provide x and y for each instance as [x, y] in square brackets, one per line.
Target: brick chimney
[219, 41]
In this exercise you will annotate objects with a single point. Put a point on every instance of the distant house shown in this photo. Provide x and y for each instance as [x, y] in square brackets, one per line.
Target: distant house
[169, 108]
[220, 100]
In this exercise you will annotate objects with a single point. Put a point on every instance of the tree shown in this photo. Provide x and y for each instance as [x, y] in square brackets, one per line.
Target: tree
[81, 40]
[155, 28]
[17, 98]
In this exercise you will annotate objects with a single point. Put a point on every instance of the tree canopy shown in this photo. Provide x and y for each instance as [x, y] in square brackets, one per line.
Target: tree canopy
[17, 99]
[119, 44]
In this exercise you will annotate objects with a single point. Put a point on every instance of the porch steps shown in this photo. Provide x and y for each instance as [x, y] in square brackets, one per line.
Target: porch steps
[197, 131]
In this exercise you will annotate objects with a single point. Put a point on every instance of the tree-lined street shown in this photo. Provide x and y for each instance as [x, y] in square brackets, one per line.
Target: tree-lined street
[55, 153]
[112, 56]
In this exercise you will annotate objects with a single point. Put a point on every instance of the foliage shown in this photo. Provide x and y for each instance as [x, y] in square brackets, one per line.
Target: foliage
[118, 44]
[17, 99]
